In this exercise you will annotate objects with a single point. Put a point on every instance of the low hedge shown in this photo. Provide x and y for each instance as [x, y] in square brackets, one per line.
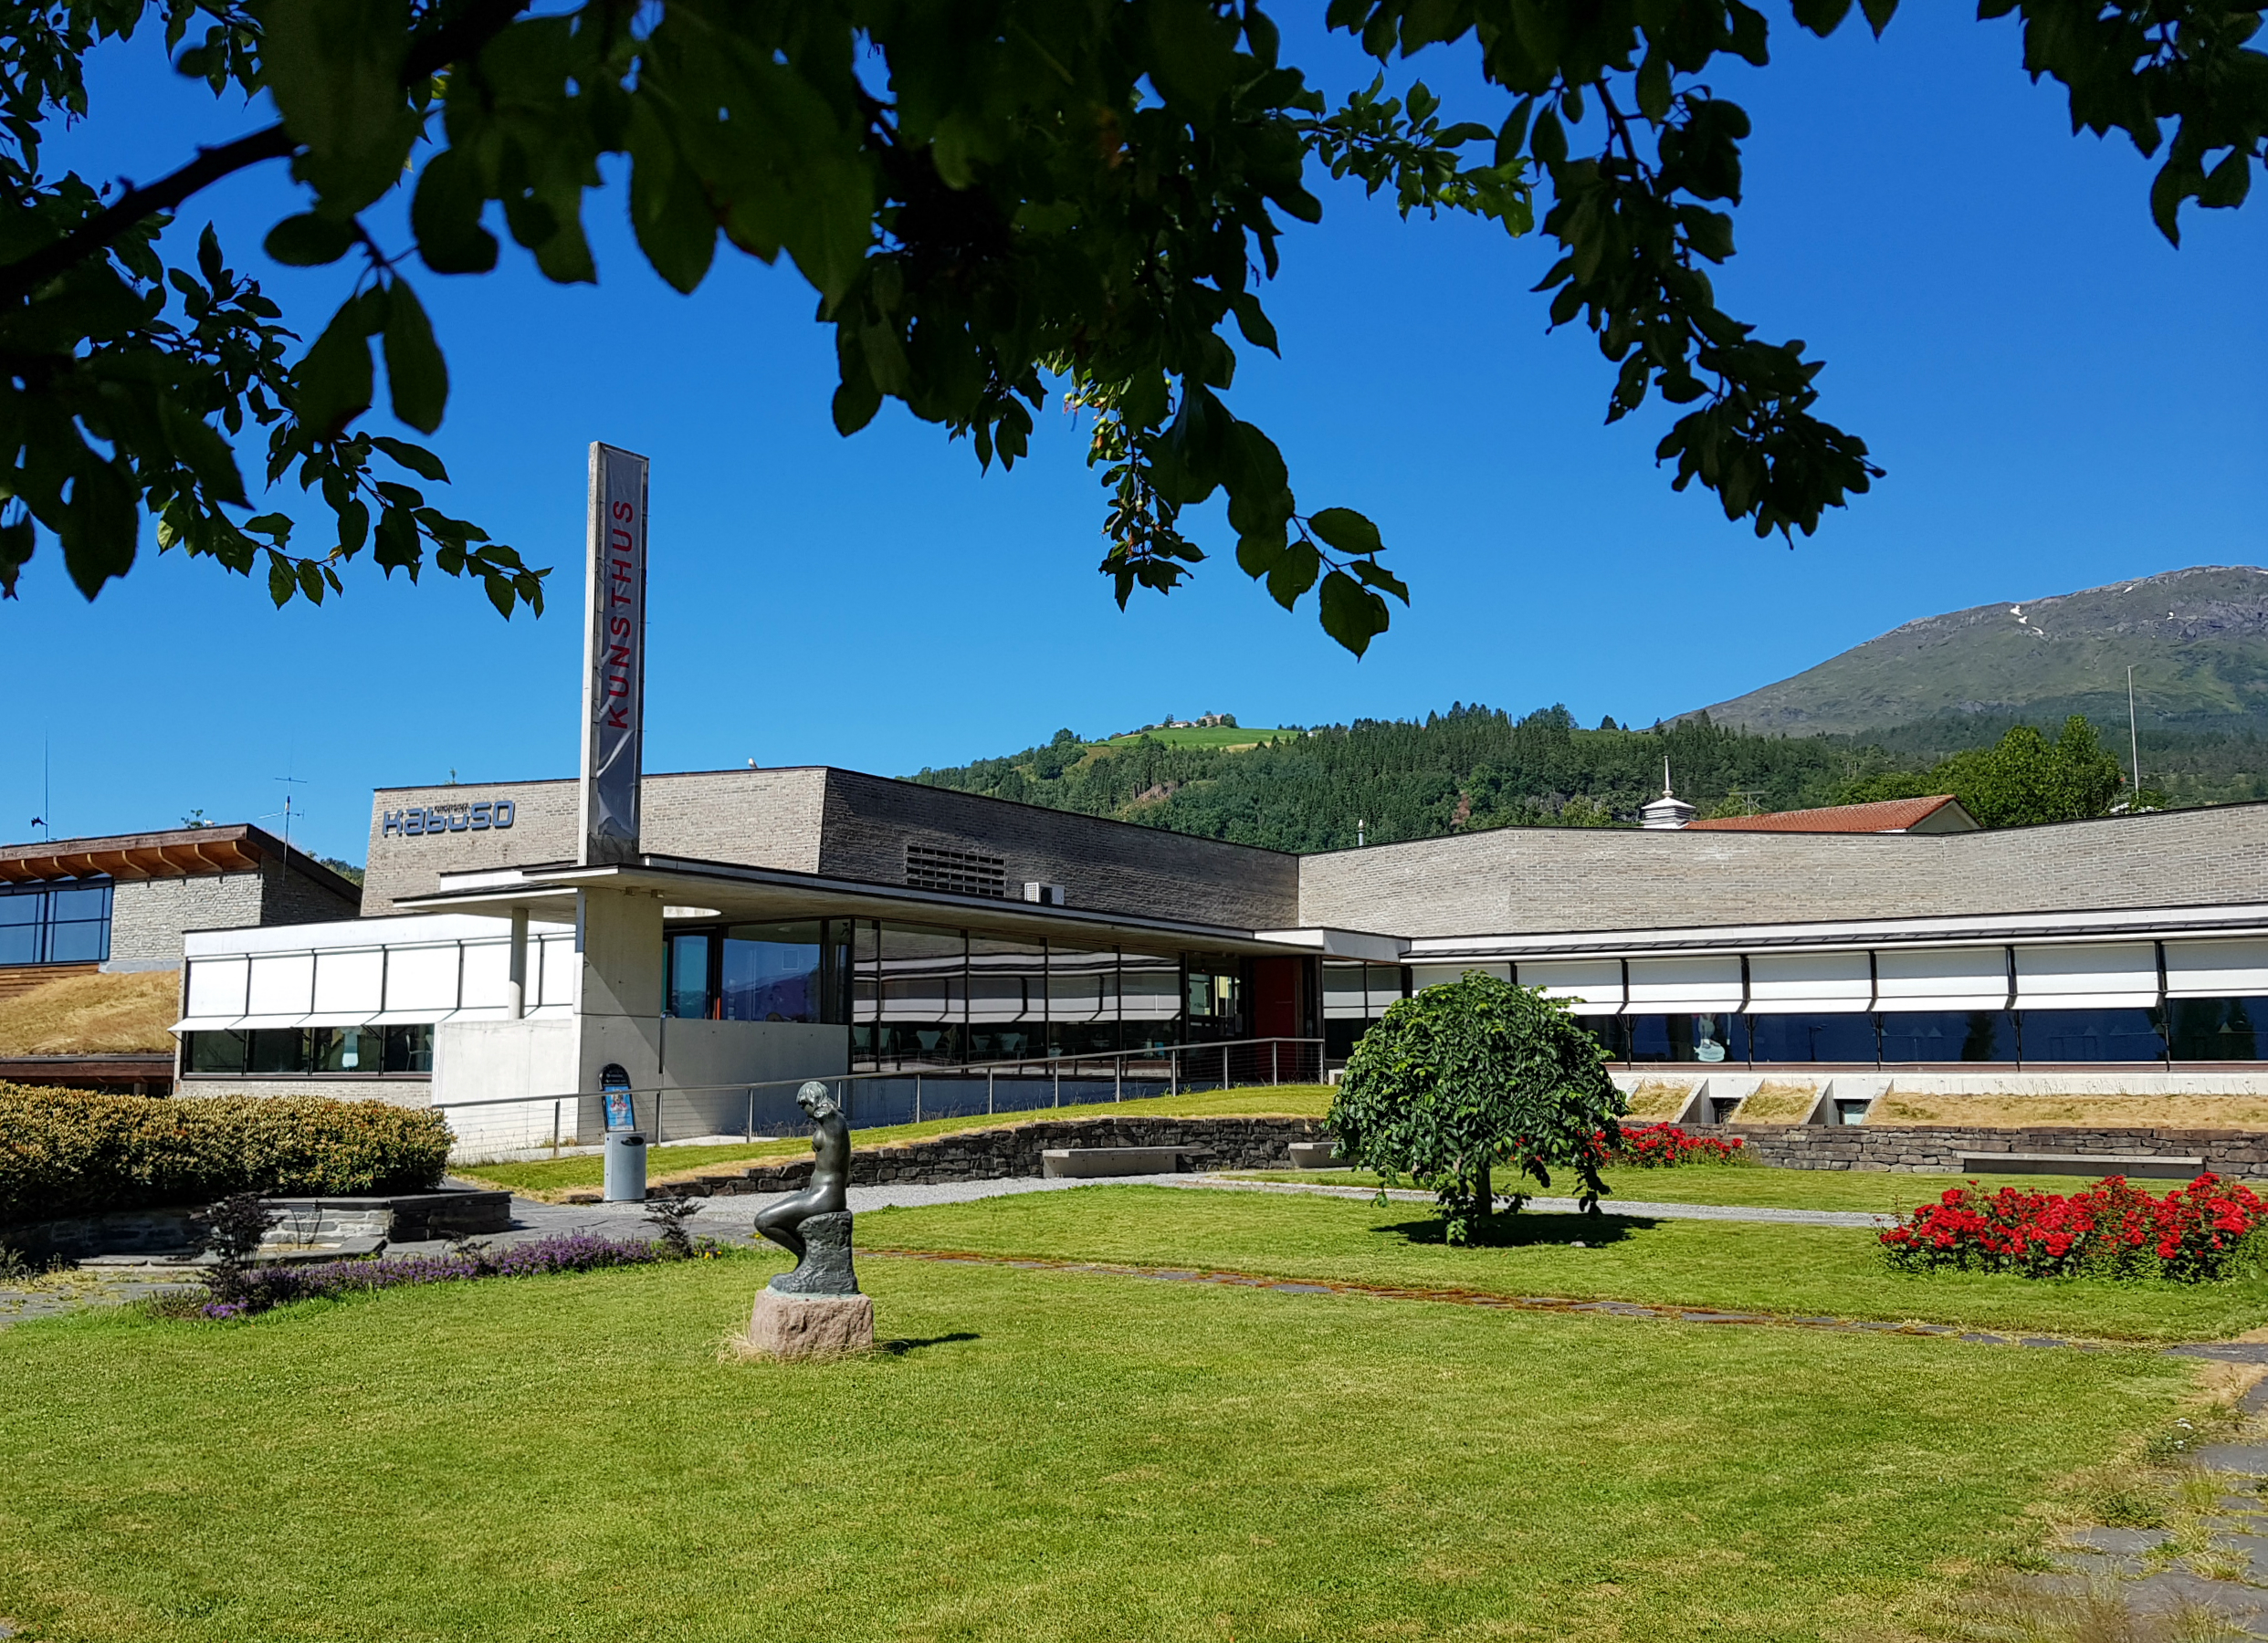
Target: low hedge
[70, 1152]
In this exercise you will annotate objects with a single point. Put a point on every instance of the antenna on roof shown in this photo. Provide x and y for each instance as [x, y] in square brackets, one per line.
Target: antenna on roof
[287, 816]
[2134, 744]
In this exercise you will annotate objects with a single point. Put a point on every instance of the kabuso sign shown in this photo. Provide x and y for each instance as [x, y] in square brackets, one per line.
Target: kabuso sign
[613, 656]
[421, 821]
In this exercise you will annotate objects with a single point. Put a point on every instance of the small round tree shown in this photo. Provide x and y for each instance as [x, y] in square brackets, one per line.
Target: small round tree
[1469, 1076]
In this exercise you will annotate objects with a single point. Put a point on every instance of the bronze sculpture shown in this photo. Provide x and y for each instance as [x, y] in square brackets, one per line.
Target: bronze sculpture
[814, 1226]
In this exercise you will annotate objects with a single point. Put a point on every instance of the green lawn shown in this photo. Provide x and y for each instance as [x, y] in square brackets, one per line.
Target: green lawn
[1203, 736]
[1736, 1266]
[1049, 1456]
[542, 1177]
[1873, 1191]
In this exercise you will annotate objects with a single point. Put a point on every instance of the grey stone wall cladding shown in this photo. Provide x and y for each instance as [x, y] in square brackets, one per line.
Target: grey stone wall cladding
[149, 917]
[1012, 1150]
[1552, 879]
[847, 825]
[1104, 866]
[1939, 1150]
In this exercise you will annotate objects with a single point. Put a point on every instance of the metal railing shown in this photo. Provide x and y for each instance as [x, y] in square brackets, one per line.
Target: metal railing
[911, 1094]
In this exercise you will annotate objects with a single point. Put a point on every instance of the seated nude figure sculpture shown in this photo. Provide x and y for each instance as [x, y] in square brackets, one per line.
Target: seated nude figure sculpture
[830, 1173]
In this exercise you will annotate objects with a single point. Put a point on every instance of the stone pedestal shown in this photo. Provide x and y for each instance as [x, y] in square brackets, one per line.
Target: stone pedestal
[790, 1326]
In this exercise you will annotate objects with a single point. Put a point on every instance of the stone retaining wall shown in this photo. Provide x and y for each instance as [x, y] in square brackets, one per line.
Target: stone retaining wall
[1938, 1149]
[165, 1232]
[991, 1154]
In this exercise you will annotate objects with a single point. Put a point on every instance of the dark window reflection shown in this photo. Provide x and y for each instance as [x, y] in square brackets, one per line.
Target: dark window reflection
[1948, 1035]
[2217, 1029]
[1681, 1037]
[689, 996]
[2091, 1035]
[54, 924]
[1847, 1036]
[771, 972]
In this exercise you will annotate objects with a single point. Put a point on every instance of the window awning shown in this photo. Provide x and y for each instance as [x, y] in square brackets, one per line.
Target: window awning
[2216, 969]
[203, 1023]
[2109, 976]
[1947, 979]
[1809, 984]
[1590, 986]
[1681, 985]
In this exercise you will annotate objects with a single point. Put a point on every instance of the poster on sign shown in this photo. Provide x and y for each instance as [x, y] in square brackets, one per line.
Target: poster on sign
[613, 657]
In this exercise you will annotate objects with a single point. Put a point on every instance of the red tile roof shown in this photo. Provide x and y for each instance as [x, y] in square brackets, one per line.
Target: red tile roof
[1888, 815]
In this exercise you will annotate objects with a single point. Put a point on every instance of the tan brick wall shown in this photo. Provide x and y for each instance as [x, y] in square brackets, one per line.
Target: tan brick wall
[1537, 880]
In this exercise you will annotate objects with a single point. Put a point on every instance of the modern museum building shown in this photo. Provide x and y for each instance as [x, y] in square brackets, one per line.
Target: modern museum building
[773, 925]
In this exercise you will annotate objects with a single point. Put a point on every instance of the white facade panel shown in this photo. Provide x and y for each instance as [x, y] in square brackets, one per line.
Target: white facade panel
[1676, 986]
[554, 980]
[2104, 975]
[1921, 979]
[1808, 983]
[1590, 986]
[281, 984]
[2216, 969]
[488, 976]
[1422, 976]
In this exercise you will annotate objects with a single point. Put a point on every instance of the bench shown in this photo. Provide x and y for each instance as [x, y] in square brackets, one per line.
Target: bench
[2081, 1163]
[1316, 1155]
[1087, 1162]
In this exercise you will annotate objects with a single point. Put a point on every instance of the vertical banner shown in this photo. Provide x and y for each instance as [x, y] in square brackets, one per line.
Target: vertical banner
[613, 657]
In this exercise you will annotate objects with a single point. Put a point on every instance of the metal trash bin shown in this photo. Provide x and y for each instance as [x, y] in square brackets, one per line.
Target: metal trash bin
[626, 1167]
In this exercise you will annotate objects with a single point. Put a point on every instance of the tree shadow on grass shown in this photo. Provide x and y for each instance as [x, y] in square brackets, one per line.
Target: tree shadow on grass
[1528, 1231]
[901, 1348]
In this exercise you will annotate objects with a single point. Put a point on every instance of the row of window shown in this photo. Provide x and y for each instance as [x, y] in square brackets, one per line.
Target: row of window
[934, 995]
[309, 1049]
[54, 924]
[2184, 1030]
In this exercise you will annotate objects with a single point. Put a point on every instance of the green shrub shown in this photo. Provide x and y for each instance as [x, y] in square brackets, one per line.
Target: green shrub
[67, 1152]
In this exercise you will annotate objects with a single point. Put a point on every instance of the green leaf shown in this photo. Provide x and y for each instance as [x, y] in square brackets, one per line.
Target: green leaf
[1252, 321]
[669, 211]
[334, 68]
[415, 372]
[1346, 531]
[1371, 574]
[416, 458]
[444, 215]
[281, 583]
[1550, 139]
[16, 540]
[274, 525]
[1350, 613]
[336, 382]
[309, 241]
[310, 582]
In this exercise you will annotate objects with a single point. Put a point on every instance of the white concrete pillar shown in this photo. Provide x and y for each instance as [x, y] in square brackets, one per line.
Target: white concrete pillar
[516, 988]
[618, 940]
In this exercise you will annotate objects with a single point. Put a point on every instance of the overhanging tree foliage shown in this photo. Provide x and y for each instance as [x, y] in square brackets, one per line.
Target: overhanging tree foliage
[1469, 1076]
[992, 199]
[2018, 781]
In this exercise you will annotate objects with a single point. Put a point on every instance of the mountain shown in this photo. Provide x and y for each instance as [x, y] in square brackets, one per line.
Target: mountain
[2197, 639]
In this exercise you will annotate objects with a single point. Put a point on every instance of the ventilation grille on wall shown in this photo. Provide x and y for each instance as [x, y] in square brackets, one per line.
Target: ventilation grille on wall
[961, 872]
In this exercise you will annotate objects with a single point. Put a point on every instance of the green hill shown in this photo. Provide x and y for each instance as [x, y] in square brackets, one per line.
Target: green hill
[2197, 639]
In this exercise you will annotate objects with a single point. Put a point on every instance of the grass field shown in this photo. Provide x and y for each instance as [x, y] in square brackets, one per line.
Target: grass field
[550, 1177]
[1734, 1266]
[1203, 735]
[79, 1015]
[1042, 1455]
[1870, 1192]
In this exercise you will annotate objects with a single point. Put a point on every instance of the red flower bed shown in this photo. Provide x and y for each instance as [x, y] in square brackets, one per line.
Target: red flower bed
[1659, 1145]
[2113, 1230]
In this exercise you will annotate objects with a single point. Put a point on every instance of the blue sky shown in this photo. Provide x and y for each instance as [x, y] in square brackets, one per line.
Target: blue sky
[2061, 398]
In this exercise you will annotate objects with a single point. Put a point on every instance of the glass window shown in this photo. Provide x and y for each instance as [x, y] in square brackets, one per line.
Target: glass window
[1948, 1035]
[1613, 1041]
[1150, 999]
[348, 1049]
[1846, 1036]
[2090, 1035]
[2217, 1029]
[686, 992]
[1007, 999]
[215, 1052]
[772, 972]
[1082, 1001]
[275, 1050]
[1681, 1037]
[409, 1049]
[1213, 993]
[54, 924]
[923, 996]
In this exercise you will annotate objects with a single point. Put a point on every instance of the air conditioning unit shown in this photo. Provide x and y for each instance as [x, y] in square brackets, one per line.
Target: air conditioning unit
[1046, 895]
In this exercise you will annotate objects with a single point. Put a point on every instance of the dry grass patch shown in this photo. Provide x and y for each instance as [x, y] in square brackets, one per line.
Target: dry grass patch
[2109, 1112]
[86, 1015]
[1778, 1104]
[1656, 1098]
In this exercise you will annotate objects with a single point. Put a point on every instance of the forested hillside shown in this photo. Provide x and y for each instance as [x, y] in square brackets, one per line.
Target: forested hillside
[1469, 768]
[1476, 766]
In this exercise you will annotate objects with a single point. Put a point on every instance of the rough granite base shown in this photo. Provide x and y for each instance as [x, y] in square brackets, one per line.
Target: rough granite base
[826, 1268]
[792, 1328]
